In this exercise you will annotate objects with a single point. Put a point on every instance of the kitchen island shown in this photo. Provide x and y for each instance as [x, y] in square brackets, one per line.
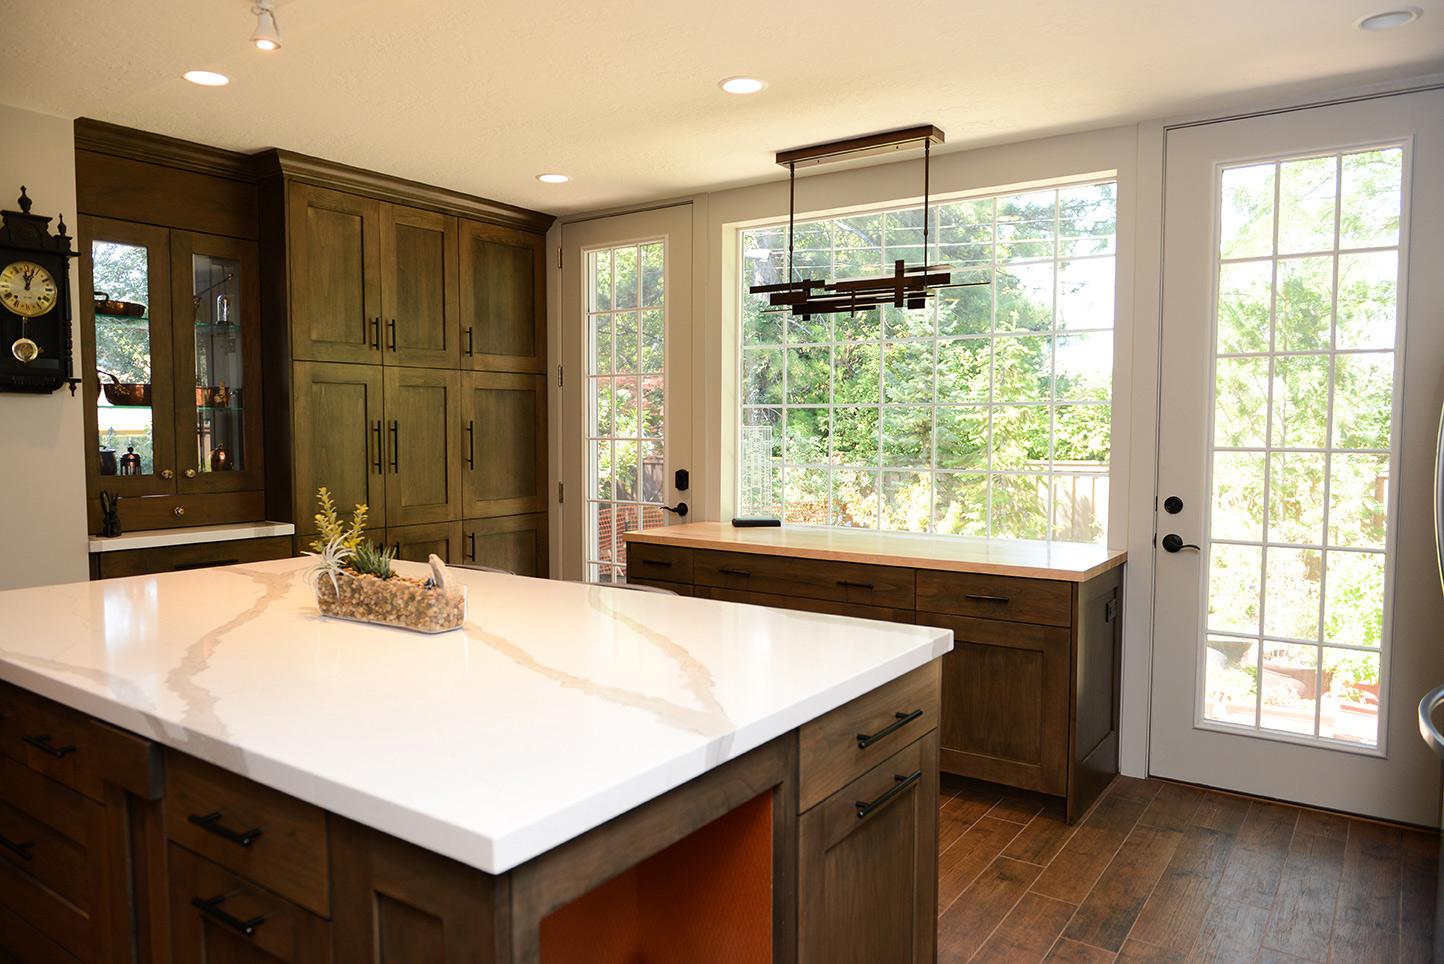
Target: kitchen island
[198, 766]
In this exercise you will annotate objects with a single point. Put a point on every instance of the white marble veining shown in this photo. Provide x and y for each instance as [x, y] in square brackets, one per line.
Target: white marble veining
[190, 535]
[557, 707]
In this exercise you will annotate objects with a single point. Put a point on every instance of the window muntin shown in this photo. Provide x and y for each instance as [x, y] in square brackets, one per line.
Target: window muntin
[985, 414]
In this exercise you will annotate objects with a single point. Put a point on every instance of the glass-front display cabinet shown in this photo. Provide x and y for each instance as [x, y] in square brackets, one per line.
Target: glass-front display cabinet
[171, 321]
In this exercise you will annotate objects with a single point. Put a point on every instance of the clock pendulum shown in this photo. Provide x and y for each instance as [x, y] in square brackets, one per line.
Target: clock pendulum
[24, 349]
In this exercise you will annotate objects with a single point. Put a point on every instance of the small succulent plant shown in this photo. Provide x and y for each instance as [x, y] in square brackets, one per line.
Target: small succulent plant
[369, 559]
[330, 528]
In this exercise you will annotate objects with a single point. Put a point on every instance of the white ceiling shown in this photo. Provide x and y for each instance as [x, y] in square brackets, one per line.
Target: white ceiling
[480, 95]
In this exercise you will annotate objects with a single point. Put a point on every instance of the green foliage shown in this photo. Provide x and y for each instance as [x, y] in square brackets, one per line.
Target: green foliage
[330, 529]
[370, 559]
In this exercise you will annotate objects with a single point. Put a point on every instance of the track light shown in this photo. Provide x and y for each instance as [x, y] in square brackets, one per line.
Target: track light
[267, 35]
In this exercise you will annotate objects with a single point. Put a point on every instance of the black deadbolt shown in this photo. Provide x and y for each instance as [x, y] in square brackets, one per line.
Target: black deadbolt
[1173, 505]
[681, 480]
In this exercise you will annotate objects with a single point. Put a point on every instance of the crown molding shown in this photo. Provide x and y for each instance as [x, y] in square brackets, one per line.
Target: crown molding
[117, 141]
[342, 177]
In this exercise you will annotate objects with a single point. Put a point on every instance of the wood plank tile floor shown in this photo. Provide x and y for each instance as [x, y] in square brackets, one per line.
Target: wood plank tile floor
[1166, 872]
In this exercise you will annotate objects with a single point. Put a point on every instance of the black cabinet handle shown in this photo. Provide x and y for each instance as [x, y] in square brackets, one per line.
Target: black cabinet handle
[729, 570]
[979, 597]
[21, 850]
[212, 908]
[471, 546]
[377, 429]
[660, 563]
[376, 334]
[865, 740]
[849, 584]
[391, 333]
[395, 550]
[395, 444]
[468, 341]
[212, 822]
[42, 742]
[865, 809]
[181, 567]
[470, 444]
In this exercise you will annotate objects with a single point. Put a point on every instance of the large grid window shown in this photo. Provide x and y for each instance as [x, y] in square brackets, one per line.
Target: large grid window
[1306, 320]
[985, 414]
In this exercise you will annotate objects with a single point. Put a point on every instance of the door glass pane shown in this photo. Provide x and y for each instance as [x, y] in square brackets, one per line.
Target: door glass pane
[1303, 445]
[626, 397]
[123, 358]
[219, 313]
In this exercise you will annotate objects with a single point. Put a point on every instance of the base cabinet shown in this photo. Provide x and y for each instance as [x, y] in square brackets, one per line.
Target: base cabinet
[867, 865]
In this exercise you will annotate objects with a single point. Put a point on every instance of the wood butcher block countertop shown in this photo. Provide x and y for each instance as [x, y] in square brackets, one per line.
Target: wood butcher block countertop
[1067, 561]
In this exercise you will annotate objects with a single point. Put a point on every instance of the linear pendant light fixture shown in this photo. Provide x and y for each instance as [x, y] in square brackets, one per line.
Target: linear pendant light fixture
[909, 286]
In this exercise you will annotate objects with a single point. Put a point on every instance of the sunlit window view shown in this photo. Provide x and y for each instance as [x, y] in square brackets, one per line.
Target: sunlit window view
[626, 384]
[1308, 278]
[985, 414]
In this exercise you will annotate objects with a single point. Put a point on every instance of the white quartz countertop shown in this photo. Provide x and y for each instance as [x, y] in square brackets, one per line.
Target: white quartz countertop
[557, 707]
[190, 535]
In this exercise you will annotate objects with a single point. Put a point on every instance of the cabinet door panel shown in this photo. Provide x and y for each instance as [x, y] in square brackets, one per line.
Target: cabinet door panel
[338, 416]
[423, 446]
[418, 543]
[1005, 702]
[515, 543]
[503, 311]
[504, 444]
[335, 282]
[868, 884]
[419, 288]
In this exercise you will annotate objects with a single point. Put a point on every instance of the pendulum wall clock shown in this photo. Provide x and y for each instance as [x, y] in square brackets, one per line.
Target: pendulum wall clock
[35, 336]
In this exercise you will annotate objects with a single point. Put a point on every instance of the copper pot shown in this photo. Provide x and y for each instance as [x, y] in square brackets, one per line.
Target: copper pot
[125, 393]
[217, 396]
[104, 305]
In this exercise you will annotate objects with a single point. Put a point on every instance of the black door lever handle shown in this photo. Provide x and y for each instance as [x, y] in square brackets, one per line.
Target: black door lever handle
[680, 508]
[1174, 543]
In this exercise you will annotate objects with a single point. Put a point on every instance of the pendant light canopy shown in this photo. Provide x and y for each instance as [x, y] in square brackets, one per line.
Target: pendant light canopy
[909, 286]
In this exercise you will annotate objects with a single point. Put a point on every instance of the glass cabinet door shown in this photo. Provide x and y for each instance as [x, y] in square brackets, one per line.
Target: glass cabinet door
[128, 298]
[217, 392]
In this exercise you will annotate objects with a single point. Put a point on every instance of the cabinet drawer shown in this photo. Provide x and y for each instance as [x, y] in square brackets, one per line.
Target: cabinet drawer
[142, 562]
[75, 750]
[995, 597]
[649, 561]
[837, 748]
[47, 832]
[680, 588]
[811, 578]
[868, 865]
[217, 915]
[266, 836]
[803, 604]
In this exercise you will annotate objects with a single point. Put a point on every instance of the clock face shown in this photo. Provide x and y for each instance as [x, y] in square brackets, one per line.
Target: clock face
[27, 289]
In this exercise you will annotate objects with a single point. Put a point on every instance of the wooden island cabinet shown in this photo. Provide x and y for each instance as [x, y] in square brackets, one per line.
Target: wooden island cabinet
[813, 841]
[1030, 692]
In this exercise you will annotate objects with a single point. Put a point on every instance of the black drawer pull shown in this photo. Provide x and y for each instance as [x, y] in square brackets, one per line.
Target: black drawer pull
[471, 546]
[979, 597]
[376, 334]
[865, 740]
[21, 850]
[377, 429]
[212, 908]
[395, 445]
[471, 443]
[849, 584]
[391, 327]
[182, 566]
[212, 822]
[469, 352]
[42, 742]
[729, 570]
[663, 563]
[864, 809]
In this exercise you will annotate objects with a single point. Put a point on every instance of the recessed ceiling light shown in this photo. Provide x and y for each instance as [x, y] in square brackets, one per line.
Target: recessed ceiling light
[553, 178]
[206, 78]
[742, 85]
[1389, 19]
[267, 36]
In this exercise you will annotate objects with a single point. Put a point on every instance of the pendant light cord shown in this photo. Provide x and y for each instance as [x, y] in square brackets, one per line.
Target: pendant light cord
[927, 171]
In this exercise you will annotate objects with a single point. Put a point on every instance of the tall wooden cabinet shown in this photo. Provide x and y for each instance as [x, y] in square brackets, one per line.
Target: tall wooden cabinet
[407, 325]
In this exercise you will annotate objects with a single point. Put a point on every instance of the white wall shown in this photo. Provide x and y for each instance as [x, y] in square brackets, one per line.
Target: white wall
[42, 466]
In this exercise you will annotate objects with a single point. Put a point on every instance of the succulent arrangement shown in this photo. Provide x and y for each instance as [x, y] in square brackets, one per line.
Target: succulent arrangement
[353, 578]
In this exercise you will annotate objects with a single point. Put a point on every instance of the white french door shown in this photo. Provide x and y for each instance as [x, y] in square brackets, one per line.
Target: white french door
[626, 396]
[1297, 607]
